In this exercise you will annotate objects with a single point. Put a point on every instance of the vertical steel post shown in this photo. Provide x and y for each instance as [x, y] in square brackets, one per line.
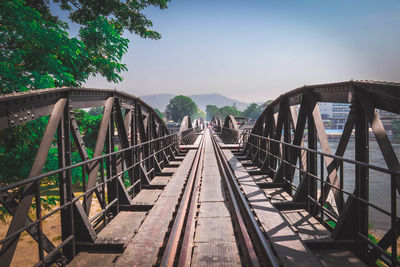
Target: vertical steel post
[312, 165]
[287, 149]
[361, 178]
[65, 181]
[39, 224]
[393, 206]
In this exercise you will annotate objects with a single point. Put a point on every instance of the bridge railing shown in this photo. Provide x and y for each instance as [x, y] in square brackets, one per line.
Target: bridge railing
[217, 124]
[120, 167]
[114, 189]
[187, 134]
[187, 137]
[230, 130]
[313, 194]
[230, 135]
[334, 189]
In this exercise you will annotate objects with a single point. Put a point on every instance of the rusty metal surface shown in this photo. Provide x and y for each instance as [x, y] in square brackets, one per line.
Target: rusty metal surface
[321, 178]
[146, 147]
[122, 228]
[171, 248]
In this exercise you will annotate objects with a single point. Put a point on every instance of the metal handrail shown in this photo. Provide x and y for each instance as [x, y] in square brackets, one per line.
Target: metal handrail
[317, 206]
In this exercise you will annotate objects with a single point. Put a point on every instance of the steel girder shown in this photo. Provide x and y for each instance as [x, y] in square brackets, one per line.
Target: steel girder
[187, 131]
[276, 145]
[145, 147]
[230, 130]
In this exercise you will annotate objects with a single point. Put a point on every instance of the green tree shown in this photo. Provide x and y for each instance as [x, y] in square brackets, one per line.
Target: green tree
[229, 110]
[18, 145]
[200, 114]
[37, 52]
[396, 127]
[89, 123]
[159, 113]
[252, 111]
[180, 106]
[212, 111]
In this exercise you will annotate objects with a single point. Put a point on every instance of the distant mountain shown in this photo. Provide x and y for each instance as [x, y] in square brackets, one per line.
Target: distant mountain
[161, 101]
[216, 99]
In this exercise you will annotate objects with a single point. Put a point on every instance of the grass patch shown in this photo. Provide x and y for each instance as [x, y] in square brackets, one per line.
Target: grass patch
[57, 238]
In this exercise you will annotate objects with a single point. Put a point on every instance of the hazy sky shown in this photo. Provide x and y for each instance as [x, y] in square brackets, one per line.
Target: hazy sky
[256, 50]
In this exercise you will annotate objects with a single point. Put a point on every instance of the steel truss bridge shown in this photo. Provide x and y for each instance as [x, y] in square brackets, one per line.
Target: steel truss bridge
[271, 196]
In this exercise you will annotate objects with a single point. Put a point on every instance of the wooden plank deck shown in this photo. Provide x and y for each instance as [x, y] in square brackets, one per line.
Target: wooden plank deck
[277, 195]
[144, 247]
[160, 180]
[143, 234]
[122, 228]
[286, 243]
[259, 178]
[85, 259]
[305, 225]
[214, 241]
[338, 257]
[146, 198]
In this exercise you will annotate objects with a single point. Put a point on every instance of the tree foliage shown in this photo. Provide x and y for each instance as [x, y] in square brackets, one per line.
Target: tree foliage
[180, 106]
[200, 114]
[37, 51]
[214, 111]
[159, 113]
[229, 110]
[396, 127]
[89, 124]
[18, 145]
[252, 111]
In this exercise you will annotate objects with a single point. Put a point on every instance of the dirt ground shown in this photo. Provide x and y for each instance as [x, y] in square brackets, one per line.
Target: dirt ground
[27, 253]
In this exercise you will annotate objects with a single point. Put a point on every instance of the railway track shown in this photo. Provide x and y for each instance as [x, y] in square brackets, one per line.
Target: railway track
[254, 248]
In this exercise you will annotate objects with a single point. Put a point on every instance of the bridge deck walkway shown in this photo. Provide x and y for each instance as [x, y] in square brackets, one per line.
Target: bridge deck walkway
[215, 240]
[313, 236]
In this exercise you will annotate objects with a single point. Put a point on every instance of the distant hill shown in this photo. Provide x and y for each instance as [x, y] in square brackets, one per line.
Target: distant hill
[161, 101]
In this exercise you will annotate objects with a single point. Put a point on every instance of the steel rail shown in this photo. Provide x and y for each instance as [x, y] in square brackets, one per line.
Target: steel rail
[171, 248]
[257, 246]
[184, 257]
